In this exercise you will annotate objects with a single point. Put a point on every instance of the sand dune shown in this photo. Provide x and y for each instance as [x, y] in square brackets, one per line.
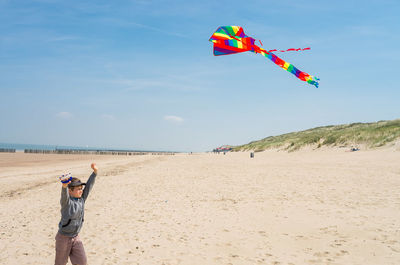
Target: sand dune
[320, 207]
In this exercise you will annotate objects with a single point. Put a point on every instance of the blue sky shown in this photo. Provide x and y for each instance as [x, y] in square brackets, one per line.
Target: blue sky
[140, 74]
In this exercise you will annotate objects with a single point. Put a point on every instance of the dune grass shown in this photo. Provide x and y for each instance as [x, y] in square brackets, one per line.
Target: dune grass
[370, 135]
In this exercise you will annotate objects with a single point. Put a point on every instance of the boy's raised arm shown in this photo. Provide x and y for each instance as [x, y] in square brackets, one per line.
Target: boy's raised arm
[90, 182]
[64, 194]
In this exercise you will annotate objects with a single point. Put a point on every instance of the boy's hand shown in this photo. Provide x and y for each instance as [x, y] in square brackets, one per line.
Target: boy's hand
[94, 167]
[65, 184]
[65, 180]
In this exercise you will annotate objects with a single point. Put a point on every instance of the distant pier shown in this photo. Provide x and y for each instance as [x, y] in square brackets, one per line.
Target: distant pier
[7, 150]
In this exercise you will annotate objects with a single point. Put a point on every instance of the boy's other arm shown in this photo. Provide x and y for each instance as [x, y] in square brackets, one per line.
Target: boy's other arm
[90, 182]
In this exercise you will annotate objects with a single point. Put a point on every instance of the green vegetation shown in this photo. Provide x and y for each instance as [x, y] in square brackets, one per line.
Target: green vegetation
[370, 135]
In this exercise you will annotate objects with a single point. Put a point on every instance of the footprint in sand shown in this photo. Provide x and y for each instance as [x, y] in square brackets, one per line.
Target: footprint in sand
[263, 233]
[321, 254]
[315, 261]
[342, 253]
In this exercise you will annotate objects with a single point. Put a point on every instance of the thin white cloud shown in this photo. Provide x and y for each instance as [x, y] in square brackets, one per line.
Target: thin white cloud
[62, 38]
[64, 115]
[123, 23]
[162, 82]
[166, 32]
[108, 117]
[368, 30]
[174, 119]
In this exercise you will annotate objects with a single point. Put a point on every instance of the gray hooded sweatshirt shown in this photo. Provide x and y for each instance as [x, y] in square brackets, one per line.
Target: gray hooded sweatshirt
[73, 210]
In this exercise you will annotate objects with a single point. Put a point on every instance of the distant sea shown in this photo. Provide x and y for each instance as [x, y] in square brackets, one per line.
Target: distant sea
[21, 147]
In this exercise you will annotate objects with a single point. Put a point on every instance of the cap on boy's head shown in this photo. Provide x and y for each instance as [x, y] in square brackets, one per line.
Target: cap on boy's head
[75, 183]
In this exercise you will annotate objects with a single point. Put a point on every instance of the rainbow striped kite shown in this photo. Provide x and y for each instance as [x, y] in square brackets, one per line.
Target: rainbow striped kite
[231, 39]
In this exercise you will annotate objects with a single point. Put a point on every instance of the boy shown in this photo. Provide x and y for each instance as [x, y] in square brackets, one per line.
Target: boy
[73, 197]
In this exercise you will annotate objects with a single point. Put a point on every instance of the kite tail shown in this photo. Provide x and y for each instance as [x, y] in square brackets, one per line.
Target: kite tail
[312, 80]
[290, 50]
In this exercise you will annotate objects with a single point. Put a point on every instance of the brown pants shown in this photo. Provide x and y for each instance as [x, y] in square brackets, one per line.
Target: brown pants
[71, 247]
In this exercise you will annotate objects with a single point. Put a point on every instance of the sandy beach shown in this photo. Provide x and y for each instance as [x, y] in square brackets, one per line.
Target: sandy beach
[306, 207]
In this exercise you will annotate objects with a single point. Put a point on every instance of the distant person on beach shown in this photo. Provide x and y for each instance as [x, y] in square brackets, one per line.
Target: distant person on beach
[73, 197]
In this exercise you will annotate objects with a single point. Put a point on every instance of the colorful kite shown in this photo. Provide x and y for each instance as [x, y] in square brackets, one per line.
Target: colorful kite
[66, 178]
[231, 39]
